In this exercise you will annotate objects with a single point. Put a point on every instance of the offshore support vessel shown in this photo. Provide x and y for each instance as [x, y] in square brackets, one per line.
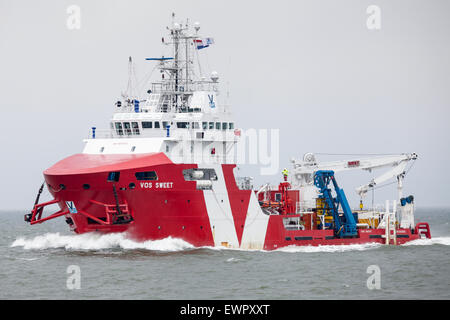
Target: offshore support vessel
[166, 168]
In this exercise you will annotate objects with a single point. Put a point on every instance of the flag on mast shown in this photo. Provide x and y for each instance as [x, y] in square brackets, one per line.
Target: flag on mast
[203, 43]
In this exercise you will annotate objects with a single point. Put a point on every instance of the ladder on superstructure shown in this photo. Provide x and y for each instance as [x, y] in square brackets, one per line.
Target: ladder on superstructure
[391, 223]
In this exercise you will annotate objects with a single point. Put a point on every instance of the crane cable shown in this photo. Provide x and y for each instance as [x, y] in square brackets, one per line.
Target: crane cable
[140, 84]
[393, 182]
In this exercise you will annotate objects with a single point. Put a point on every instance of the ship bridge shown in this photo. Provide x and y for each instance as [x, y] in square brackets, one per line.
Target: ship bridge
[180, 115]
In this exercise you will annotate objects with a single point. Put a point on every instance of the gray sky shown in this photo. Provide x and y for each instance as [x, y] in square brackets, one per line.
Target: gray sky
[310, 68]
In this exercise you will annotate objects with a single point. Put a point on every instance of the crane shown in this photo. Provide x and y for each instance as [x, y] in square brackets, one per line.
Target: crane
[345, 223]
[304, 170]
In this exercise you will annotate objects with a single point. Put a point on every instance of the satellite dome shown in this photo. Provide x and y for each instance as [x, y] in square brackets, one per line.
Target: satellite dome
[214, 76]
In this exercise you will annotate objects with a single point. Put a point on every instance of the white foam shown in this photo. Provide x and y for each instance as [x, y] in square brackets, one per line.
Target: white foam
[94, 241]
[233, 260]
[427, 242]
[27, 259]
[307, 249]
[330, 248]
[220, 248]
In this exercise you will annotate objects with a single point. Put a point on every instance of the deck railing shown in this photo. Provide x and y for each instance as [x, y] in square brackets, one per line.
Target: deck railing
[176, 134]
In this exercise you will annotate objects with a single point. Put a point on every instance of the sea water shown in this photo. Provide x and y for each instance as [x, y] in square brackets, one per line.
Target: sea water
[42, 261]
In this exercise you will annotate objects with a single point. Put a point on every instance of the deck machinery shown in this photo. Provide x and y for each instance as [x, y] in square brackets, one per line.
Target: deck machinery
[345, 222]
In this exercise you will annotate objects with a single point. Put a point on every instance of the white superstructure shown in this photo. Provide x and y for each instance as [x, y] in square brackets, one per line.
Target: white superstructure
[181, 114]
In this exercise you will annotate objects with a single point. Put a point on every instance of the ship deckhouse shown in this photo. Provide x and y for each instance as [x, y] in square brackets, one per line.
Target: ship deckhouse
[181, 114]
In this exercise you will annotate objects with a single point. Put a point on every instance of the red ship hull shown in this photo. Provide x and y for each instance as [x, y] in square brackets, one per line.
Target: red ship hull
[171, 206]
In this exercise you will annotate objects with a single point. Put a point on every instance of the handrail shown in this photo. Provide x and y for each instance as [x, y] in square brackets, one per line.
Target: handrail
[111, 212]
[174, 133]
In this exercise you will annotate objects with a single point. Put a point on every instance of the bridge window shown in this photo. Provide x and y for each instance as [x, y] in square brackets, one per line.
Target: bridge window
[147, 175]
[119, 129]
[217, 125]
[182, 125]
[211, 125]
[204, 125]
[231, 126]
[195, 125]
[127, 127]
[224, 125]
[165, 124]
[147, 124]
[157, 126]
[135, 126]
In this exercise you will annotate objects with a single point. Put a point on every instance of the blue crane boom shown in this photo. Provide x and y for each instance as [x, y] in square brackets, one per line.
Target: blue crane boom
[344, 224]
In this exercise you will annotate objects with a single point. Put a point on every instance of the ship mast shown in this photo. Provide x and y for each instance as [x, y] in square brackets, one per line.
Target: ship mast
[176, 39]
[180, 79]
[177, 82]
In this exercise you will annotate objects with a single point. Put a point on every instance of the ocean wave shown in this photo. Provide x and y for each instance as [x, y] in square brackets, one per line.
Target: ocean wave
[94, 241]
[233, 259]
[306, 249]
[330, 248]
[428, 242]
